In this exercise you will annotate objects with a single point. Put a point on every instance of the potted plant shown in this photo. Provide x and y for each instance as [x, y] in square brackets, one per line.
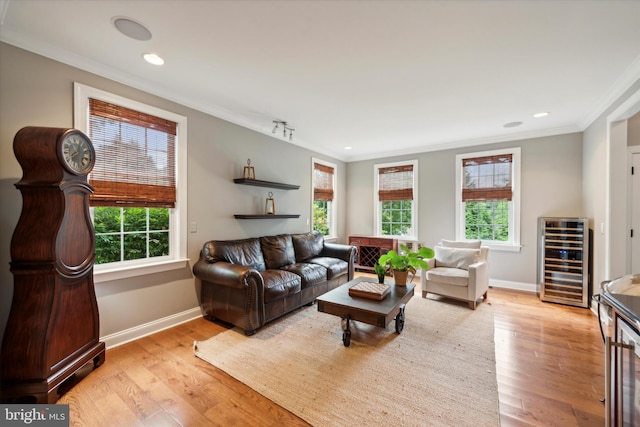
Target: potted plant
[405, 262]
[381, 271]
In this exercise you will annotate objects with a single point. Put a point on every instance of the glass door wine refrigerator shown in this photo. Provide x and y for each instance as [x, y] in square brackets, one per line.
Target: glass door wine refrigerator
[563, 261]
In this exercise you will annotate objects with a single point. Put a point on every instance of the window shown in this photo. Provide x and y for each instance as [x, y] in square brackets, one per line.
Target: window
[488, 202]
[137, 202]
[396, 198]
[324, 178]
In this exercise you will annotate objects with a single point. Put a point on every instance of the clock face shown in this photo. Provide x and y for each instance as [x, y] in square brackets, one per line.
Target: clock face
[78, 153]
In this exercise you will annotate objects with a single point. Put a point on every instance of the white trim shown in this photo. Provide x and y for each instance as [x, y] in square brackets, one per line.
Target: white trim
[619, 87]
[178, 238]
[512, 245]
[333, 230]
[140, 331]
[414, 204]
[118, 273]
[507, 284]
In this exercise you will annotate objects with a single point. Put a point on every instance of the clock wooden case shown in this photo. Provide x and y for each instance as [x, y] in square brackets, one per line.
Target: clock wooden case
[53, 326]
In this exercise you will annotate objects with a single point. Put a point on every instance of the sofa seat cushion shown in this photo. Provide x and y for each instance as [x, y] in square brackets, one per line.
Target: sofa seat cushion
[335, 267]
[277, 250]
[310, 274]
[449, 276]
[279, 284]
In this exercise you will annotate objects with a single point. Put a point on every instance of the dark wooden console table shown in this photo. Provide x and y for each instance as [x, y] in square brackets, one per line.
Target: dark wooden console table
[370, 248]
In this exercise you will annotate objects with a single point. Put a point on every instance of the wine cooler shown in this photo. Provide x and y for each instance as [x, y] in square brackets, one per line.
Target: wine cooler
[563, 261]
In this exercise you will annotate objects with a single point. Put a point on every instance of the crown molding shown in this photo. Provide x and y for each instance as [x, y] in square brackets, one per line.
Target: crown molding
[470, 143]
[619, 87]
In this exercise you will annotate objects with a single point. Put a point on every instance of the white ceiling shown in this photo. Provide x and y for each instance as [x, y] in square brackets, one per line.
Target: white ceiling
[383, 77]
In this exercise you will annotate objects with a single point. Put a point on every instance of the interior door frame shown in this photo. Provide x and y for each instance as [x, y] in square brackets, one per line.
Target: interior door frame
[634, 151]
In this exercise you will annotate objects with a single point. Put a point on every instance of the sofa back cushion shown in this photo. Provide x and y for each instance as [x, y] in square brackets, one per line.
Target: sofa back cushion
[469, 244]
[460, 258]
[277, 250]
[243, 252]
[307, 245]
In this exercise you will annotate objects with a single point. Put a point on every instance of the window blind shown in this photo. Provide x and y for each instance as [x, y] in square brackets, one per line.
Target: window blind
[322, 182]
[135, 157]
[395, 183]
[487, 178]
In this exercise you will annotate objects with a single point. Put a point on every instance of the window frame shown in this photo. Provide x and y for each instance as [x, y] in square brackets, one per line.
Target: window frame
[333, 226]
[377, 206]
[513, 244]
[178, 215]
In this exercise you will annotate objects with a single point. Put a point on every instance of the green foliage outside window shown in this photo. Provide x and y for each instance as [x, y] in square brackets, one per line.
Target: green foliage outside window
[124, 234]
[321, 217]
[487, 220]
[396, 217]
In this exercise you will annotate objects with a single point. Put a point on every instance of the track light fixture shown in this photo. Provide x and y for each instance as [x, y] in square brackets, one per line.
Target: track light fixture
[285, 129]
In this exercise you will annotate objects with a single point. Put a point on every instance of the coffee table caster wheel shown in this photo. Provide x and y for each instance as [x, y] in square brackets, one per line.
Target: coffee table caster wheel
[400, 320]
[346, 338]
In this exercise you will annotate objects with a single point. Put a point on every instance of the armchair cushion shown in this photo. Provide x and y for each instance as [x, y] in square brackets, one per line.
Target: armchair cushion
[470, 244]
[460, 258]
[450, 276]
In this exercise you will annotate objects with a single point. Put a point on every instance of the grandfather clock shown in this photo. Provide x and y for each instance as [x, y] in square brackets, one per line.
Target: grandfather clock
[53, 325]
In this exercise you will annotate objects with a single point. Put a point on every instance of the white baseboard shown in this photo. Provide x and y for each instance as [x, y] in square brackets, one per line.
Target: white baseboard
[132, 334]
[520, 286]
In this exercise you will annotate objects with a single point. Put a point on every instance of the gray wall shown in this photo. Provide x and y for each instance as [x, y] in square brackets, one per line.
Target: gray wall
[551, 174]
[596, 193]
[36, 91]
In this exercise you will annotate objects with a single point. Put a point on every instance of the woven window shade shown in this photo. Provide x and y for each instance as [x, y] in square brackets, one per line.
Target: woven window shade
[487, 178]
[395, 183]
[322, 182]
[135, 157]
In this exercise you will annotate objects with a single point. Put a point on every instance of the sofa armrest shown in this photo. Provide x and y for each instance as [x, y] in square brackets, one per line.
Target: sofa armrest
[346, 253]
[478, 279]
[224, 273]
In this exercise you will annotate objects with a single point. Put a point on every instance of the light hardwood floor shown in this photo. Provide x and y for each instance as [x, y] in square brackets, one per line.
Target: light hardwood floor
[549, 368]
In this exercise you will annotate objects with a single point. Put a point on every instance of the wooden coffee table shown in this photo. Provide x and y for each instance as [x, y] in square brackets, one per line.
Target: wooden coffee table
[373, 312]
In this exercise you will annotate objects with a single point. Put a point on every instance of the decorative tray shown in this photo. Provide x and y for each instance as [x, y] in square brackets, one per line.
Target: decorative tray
[370, 290]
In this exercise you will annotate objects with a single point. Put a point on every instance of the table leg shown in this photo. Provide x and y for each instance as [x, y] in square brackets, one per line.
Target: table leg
[400, 319]
[346, 334]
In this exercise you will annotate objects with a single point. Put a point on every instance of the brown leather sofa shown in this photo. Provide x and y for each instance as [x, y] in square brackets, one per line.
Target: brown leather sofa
[250, 282]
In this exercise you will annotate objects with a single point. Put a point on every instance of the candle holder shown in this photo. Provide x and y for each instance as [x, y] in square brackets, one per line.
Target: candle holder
[270, 205]
[249, 171]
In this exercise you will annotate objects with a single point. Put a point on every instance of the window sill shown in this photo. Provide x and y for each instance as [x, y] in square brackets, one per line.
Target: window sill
[117, 273]
[502, 248]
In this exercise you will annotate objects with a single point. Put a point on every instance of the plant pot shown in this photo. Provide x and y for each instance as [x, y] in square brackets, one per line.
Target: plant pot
[400, 277]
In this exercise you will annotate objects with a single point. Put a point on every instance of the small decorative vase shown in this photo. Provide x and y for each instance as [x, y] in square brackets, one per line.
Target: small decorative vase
[400, 277]
[381, 278]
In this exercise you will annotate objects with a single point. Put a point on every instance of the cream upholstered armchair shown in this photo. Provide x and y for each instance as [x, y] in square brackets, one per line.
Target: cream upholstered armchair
[458, 270]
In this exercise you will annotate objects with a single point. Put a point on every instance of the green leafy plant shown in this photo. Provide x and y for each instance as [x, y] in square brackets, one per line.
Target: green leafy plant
[406, 260]
[381, 271]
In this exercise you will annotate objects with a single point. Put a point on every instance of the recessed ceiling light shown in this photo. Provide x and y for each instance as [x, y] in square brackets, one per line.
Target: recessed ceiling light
[512, 124]
[152, 58]
[543, 114]
[348, 148]
[131, 28]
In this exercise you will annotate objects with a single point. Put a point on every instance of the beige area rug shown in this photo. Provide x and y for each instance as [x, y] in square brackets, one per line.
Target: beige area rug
[440, 371]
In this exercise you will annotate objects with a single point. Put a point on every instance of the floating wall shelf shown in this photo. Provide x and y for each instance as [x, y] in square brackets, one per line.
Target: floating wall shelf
[240, 216]
[270, 184]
